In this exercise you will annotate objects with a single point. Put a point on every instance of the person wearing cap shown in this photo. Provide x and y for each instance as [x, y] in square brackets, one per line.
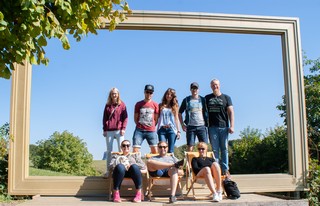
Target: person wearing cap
[146, 114]
[196, 117]
[221, 123]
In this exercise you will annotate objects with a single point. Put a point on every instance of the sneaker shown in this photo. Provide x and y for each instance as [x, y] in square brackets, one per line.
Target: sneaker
[179, 163]
[215, 197]
[137, 198]
[172, 199]
[220, 196]
[116, 196]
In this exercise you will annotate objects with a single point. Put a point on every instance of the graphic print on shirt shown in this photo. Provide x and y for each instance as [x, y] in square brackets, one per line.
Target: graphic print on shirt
[195, 112]
[215, 105]
[146, 116]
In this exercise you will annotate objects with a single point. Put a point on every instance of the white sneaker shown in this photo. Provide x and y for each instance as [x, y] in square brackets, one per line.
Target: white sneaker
[215, 197]
[220, 196]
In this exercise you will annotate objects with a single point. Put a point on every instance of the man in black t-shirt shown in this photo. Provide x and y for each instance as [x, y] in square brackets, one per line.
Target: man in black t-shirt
[221, 113]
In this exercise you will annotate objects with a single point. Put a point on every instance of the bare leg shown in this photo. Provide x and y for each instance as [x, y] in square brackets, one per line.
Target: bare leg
[206, 173]
[216, 171]
[154, 149]
[154, 165]
[173, 173]
[190, 148]
[136, 149]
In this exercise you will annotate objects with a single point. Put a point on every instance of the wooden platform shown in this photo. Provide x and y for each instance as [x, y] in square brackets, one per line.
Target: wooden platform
[245, 200]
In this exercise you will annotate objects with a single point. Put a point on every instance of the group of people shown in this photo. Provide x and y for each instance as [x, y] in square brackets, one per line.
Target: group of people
[210, 116]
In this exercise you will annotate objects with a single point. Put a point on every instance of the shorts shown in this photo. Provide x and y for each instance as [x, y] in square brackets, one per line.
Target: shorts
[199, 131]
[140, 135]
[159, 173]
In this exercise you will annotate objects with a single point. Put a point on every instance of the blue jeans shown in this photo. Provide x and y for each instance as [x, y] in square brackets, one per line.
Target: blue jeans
[219, 137]
[167, 135]
[139, 135]
[120, 172]
[199, 131]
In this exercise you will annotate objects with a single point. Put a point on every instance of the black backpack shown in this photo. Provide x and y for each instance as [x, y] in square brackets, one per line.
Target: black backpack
[231, 188]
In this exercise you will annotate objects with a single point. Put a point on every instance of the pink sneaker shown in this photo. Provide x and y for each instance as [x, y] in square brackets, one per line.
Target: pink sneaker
[137, 197]
[116, 196]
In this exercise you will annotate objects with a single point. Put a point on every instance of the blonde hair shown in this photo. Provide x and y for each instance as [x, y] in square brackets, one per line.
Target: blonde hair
[173, 104]
[203, 144]
[109, 101]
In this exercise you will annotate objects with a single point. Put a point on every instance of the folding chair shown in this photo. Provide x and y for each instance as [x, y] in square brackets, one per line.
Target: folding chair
[159, 180]
[127, 181]
[190, 175]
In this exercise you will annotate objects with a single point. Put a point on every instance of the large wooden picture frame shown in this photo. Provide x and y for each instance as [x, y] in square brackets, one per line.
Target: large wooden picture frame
[20, 183]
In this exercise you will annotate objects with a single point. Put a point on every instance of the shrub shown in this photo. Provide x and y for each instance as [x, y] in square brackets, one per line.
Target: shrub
[63, 153]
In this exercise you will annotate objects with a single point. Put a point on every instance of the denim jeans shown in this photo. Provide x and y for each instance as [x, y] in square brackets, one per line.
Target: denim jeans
[199, 131]
[167, 135]
[219, 137]
[111, 135]
[120, 172]
[140, 135]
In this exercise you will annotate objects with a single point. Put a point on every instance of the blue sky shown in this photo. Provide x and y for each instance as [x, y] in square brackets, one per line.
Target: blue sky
[71, 92]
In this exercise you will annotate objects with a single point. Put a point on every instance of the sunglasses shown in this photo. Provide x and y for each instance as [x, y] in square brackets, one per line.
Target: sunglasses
[201, 149]
[162, 147]
[149, 92]
[125, 145]
[194, 88]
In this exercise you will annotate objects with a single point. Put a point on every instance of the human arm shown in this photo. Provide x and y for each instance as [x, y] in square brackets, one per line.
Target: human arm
[230, 112]
[104, 121]
[123, 119]
[195, 166]
[181, 110]
[176, 121]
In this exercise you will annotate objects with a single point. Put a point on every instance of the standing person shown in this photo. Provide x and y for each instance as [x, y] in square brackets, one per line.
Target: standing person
[163, 165]
[168, 123]
[221, 112]
[146, 114]
[196, 117]
[127, 165]
[208, 168]
[115, 119]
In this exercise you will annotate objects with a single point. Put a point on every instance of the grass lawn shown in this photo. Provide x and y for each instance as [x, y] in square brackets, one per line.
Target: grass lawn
[98, 165]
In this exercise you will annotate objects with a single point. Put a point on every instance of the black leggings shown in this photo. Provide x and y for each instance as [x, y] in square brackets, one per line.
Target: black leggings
[120, 172]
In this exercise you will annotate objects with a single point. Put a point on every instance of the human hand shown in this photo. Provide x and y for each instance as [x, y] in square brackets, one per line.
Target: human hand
[104, 133]
[184, 128]
[231, 130]
[122, 132]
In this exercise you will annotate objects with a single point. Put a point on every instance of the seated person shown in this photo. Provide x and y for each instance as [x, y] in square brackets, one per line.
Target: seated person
[208, 168]
[166, 166]
[126, 165]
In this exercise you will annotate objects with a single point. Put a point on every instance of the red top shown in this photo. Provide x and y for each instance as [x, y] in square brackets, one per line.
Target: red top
[146, 112]
[115, 117]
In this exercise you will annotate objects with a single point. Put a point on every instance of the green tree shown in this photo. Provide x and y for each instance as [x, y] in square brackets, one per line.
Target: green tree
[25, 26]
[312, 91]
[244, 151]
[256, 153]
[4, 140]
[63, 153]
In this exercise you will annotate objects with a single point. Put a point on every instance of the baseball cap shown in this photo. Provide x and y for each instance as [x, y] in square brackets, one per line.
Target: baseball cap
[194, 84]
[149, 87]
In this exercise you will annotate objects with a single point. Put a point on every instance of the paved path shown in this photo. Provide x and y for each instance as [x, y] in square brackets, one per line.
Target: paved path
[245, 200]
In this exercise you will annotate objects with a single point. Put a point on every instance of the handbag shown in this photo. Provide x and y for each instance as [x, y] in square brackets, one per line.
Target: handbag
[231, 189]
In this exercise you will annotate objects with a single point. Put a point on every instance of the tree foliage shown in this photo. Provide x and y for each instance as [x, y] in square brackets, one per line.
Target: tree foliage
[312, 91]
[25, 26]
[256, 153]
[4, 140]
[63, 152]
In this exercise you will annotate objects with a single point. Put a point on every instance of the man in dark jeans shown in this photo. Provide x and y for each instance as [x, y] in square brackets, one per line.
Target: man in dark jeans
[196, 117]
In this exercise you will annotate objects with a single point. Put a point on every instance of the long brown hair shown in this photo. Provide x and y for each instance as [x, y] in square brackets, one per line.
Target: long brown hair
[173, 104]
[109, 101]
